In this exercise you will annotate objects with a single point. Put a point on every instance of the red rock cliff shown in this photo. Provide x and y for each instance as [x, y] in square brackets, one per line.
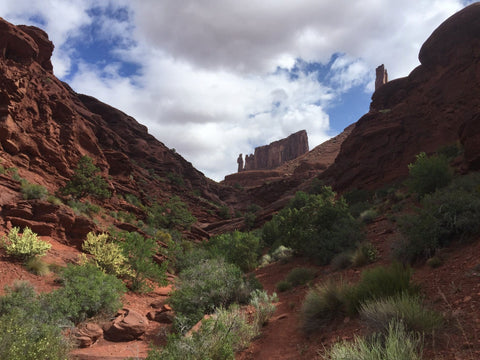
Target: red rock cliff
[436, 105]
[277, 153]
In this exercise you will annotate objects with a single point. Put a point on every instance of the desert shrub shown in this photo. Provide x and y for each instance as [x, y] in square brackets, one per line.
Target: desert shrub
[368, 216]
[28, 330]
[23, 338]
[450, 151]
[202, 288]
[54, 200]
[452, 213]
[364, 254]
[319, 226]
[86, 291]
[139, 252]
[342, 261]
[176, 179]
[239, 248]
[377, 283]
[427, 174]
[435, 262]
[33, 191]
[249, 219]
[218, 338]
[264, 306]
[322, 303]
[397, 344]
[86, 181]
[402, 308]
[172, 215]
[300, 276]
[224, 212]
[283, 285]
[107, 255]
[37, 266]
[24, 246]
[132, 199]
[84, 208]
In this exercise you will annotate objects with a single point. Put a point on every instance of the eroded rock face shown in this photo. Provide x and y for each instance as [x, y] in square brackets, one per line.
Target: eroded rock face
[436, 105]
[277, 153]
[127, 326]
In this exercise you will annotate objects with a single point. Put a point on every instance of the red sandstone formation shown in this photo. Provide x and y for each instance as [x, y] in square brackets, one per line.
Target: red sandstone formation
[275, 154]
[381, 76]
[436, 105]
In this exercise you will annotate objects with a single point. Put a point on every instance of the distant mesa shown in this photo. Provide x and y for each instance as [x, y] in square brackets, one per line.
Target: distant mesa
[275, 154]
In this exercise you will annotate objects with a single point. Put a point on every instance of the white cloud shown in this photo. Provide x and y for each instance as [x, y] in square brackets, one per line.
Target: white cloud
[209, 83]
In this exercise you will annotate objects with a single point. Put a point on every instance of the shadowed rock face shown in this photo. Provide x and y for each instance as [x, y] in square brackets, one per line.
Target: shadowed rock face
[436, 105]
[277, 153]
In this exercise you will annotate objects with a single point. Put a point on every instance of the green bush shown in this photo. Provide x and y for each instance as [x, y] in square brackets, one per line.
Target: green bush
[86, 181]
[427, 174]
[364, 254]
[342, 261]
[283, 285]
[37, 266]
[86, 291]
[23, 338]
[84, 208]
[300, 276]
[322, 303]
[264, 306]
[397, 344]
[139, 252]
[319, 226]
[218, 338]
[224, 212]
[452, 213]
[368, 216]
[107, 255]
[24, 246]
[33, 191]
[239, 248]
[173, 215]
[202, 288]
[402, 308]
[377, 283]
[28, 330]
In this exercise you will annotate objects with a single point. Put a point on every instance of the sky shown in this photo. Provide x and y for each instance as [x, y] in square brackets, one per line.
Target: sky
[216, 78]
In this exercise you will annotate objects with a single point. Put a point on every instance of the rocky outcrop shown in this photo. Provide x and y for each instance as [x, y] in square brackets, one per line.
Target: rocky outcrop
[381, 76]
[277, 153]
[128, 325]
[436, 105]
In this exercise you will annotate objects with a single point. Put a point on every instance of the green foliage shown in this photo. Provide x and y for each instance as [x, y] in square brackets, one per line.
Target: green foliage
[28, 331]
[173, 215]
[397, 344]
[84, 207]
[139, 252]
[107, 255]
[300, 276]
[202, 288]
[37, 266]
[319, 226]
[428, 174]
[224, 212]
[218, 338]
[364, 254]
[377, 283]
[86, 291]
[368, 216]
[23, 338]
[264, 306]
[326, 301]
[402, 308]
[54, 200]
[283, 285]
[322, 303]
[452, 213]
[33, 191]
[175, 179]
[86, 181]
[239, 248]
[24, 246]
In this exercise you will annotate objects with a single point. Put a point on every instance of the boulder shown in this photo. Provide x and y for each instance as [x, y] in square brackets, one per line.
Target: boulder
[86, 335]
[128, 325]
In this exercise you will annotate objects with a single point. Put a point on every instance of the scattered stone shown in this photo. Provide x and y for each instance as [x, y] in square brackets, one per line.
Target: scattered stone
[86, 335]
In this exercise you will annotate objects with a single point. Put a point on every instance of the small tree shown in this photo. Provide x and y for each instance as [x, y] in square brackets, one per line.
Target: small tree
[428, 174]
[87, 181]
